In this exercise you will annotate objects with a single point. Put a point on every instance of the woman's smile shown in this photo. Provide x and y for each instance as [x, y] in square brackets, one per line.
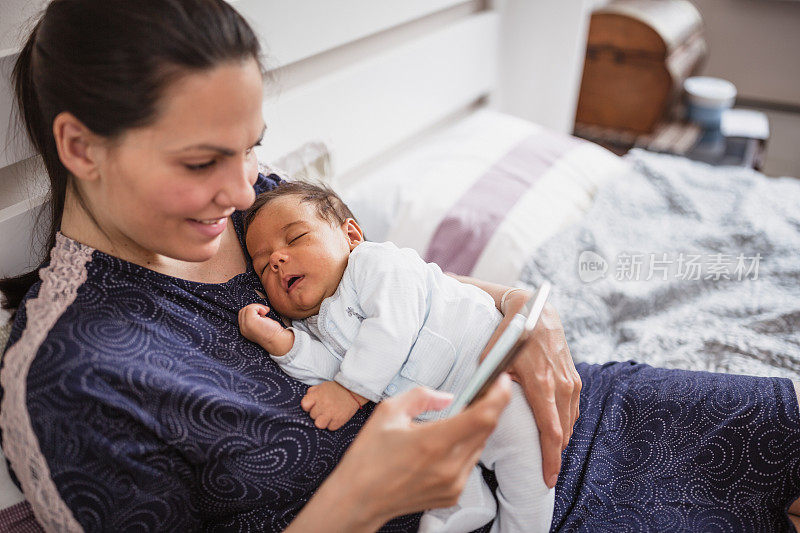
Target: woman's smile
[209, 228]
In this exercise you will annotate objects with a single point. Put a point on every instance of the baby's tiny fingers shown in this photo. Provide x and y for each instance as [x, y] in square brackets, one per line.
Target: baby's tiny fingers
[307, 402]
[322, 421]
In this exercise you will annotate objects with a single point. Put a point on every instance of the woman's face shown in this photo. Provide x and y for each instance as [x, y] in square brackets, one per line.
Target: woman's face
[168, 188]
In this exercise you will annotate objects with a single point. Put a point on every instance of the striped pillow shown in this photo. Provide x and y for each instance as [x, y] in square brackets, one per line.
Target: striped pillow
[479, 197]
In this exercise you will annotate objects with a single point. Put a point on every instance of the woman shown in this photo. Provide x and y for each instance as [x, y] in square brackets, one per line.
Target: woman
[150, 411]
[130, 401]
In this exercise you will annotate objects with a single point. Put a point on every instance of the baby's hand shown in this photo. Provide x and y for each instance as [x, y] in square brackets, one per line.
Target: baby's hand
[331, 405]
[256, 326]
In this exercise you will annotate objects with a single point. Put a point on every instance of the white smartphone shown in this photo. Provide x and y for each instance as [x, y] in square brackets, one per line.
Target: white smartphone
[504, 351]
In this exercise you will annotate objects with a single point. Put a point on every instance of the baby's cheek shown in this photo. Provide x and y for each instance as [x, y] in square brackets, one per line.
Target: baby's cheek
[277, 298]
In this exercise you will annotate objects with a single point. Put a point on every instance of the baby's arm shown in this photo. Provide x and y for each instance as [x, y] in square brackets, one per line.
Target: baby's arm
[256, 326]
[328, 403]
[392, 292]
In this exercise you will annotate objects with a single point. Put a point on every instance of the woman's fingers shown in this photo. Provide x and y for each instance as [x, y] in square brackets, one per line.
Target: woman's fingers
[540, 393]
[476, 422]
[575, 401]
[567, 380]
[552, 386]
[397, 466]
[416, 401]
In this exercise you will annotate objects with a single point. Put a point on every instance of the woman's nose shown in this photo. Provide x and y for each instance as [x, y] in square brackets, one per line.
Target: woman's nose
[237, 188]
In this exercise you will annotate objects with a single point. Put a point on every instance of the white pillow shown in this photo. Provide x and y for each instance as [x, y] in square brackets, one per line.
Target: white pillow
[480, 196]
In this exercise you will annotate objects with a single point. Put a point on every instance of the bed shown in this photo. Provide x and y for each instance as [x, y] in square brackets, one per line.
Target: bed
[652, 257]
[412, 112]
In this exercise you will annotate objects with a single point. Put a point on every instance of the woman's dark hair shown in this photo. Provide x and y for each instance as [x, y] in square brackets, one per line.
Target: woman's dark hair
[328, 204]
[108, 62]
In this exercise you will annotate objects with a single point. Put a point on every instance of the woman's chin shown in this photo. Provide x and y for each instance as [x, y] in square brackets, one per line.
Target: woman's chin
[197, 253]
[206, 254]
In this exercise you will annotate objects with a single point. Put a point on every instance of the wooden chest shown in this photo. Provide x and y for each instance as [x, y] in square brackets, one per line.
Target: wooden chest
[638, 54]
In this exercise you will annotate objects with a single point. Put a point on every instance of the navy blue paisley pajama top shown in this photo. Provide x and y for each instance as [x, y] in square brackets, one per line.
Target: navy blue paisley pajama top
[132, 403]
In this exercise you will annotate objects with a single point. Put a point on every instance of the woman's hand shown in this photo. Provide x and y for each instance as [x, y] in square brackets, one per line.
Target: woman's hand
[545, 371]
[552, 385]
[397, 466]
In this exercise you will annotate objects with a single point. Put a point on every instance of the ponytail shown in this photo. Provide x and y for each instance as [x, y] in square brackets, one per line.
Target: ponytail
[14, 288]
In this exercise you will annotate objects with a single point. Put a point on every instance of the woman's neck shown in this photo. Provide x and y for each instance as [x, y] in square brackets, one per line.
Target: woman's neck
[79, 225]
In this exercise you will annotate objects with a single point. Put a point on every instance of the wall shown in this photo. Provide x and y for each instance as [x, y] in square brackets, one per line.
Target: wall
[542, 46]
[13, 13]
[755, 44]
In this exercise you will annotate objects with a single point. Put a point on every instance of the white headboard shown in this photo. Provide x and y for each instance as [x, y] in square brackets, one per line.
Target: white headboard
[365, 77]
[360, 75]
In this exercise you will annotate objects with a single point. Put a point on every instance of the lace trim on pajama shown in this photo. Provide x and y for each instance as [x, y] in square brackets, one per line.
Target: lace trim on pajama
[60, 282]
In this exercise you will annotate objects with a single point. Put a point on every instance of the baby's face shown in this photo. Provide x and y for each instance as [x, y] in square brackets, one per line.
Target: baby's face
[299, 256]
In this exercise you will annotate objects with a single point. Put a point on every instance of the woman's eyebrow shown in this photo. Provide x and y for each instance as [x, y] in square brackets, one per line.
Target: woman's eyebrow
[220, 149]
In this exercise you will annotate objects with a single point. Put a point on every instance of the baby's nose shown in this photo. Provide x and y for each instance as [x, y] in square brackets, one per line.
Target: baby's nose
[275, 260]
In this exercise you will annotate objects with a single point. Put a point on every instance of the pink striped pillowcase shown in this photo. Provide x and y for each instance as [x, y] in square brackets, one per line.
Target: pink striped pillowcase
[479, 197]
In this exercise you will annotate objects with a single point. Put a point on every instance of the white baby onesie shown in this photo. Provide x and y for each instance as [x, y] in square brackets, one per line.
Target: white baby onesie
[396, 322]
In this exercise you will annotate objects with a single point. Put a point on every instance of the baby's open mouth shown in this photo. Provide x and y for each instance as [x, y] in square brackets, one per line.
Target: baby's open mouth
[290, 281]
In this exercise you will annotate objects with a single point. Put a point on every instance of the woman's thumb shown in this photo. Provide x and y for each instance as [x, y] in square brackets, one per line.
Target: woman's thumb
[421, 399]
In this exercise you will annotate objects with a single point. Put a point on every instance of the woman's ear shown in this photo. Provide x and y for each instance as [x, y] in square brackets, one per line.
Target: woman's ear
[353, 231]
[78, 147]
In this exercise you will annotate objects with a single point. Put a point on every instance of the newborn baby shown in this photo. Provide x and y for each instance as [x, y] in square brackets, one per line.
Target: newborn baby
[371, 320]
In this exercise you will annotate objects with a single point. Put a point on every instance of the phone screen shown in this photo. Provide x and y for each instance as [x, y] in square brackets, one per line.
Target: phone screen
[504, 351]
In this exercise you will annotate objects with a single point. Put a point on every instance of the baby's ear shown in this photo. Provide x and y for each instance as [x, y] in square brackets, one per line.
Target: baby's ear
[353, 231]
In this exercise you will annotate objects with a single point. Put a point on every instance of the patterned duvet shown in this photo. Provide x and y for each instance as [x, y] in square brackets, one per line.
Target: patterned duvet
[682, 265]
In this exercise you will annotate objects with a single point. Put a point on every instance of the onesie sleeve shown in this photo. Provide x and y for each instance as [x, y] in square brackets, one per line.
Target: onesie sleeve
[309, 360]
[391, 289]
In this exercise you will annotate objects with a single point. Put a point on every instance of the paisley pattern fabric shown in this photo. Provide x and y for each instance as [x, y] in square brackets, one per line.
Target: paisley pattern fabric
[152, 412]
[673, 450]
[59, 286]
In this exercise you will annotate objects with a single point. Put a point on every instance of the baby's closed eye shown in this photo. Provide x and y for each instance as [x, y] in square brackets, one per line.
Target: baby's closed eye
[296, 238]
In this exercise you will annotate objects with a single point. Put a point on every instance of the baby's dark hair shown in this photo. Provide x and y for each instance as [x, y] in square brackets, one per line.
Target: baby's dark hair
[327, 203]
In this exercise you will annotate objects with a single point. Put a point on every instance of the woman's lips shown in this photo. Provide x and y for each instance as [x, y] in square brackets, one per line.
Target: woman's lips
[209, 227]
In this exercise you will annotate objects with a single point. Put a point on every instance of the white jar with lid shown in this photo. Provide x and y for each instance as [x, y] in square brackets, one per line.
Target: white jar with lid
[707, 98]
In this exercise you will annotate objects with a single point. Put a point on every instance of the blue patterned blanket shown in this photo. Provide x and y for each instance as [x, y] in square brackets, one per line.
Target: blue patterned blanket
[682, 265]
